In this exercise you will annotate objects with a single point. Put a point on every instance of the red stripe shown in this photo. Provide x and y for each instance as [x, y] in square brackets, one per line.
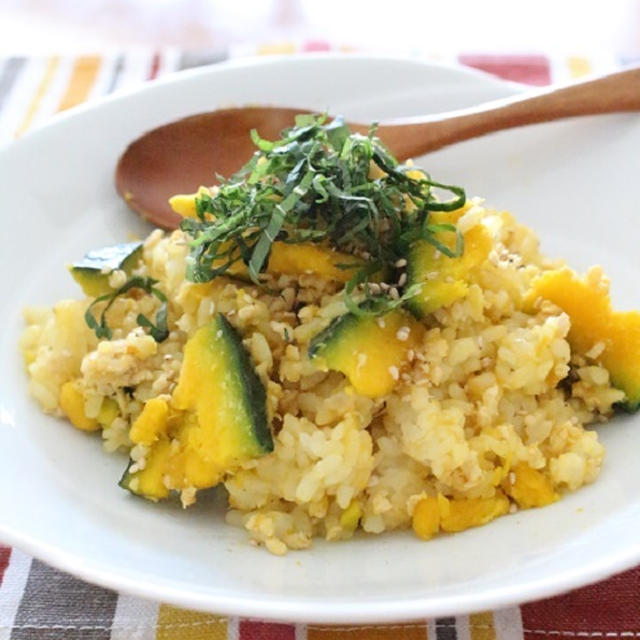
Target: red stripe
[155, 66]
[316, 45]
[249, 630]
[611, 606]
[518, 68]
[5, 554]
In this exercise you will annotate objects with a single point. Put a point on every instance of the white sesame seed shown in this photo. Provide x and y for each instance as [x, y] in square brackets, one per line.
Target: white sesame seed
[432, 275]
[395, 374]
[512, 477]
[393, 292]
[403, 334]
[381, 323]
[436, 254]
[402, 280]
[362, 360]
[411, 354]
[374, 287]
[401, 263]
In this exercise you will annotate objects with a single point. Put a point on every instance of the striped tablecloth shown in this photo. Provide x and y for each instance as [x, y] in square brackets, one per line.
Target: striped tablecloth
[38, 602]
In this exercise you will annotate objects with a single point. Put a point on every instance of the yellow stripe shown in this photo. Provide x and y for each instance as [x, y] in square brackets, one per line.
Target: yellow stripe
[481, 626]
[276, 48]
[43, 87]
[579, 66]
[381, 632]
[85, 71]
[181, 624]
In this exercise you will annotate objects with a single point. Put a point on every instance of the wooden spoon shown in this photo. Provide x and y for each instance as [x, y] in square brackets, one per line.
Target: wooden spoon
[182, 155]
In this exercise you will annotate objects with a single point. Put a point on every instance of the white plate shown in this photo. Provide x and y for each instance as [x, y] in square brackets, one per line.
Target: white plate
[574, 182]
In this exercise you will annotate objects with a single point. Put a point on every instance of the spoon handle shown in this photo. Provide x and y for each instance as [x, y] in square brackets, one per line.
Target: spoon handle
[611, 93]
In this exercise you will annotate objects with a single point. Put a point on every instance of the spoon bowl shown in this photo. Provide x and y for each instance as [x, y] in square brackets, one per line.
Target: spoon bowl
[182, 155]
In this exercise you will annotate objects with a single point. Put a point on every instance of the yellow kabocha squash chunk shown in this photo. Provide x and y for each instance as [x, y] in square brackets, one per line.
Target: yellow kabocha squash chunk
[370, 351]
[152, 423]
[300, 259]
[184, 204]
[72, 404]
[442, 279]
[529, 487]
[152, 481]
[93, 271]
[426, 518]
[463, 513]
[215, 420]
[588, 305]
[304, 258]
[438, 513]
[219, 384]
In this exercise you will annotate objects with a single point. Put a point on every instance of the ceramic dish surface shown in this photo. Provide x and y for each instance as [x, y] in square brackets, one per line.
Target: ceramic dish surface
[573, 182]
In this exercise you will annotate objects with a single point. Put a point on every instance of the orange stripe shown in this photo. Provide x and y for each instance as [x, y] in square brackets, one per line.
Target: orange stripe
[276, 48]
[579, 67]
[481, 626]
[381, 632]
[43, 87]
[84, 74]
[181, 624]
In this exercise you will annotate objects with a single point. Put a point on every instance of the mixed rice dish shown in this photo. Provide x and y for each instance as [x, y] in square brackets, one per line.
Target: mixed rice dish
[342, 348]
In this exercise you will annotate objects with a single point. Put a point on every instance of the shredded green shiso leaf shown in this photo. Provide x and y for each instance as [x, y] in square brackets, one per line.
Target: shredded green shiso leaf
[314, 185]
[159, 331]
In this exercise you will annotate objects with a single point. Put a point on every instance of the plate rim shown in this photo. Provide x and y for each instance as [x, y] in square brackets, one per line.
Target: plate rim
[316, 612]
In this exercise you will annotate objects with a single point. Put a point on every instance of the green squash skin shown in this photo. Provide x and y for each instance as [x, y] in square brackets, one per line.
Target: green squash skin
[248, 386]
[331, 335]
[92, 272]
[627, 406]
[415, 276]
[127, 477]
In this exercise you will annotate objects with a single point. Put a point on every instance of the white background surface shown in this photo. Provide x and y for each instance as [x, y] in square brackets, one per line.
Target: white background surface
[597, 27]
